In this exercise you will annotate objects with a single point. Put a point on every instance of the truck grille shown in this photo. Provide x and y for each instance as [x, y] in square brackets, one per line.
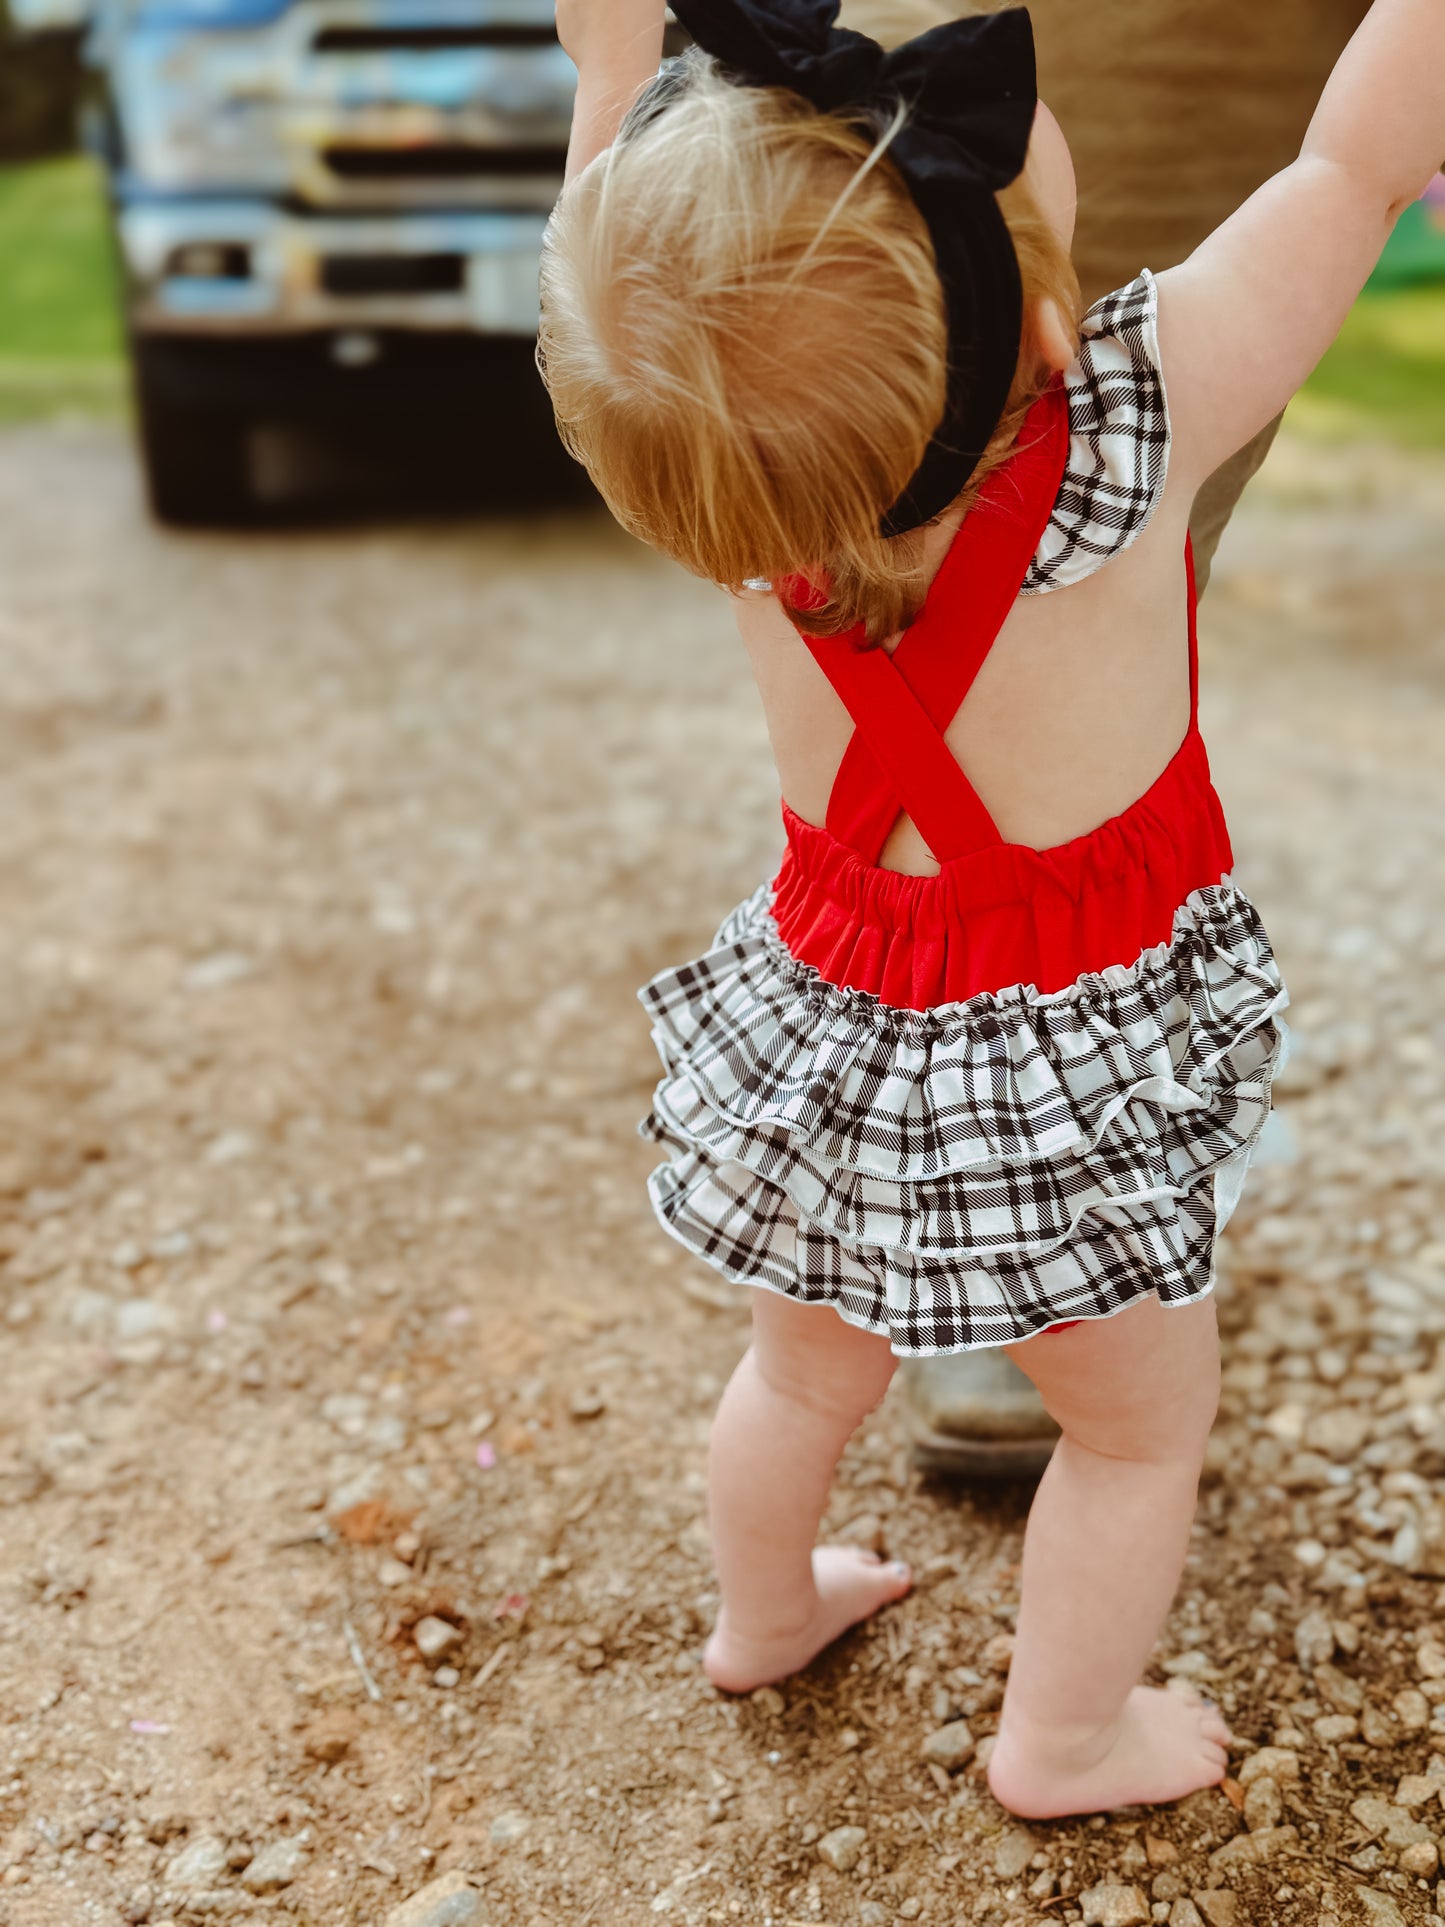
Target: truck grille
[445, 161]
[378, 274]
[427, 39]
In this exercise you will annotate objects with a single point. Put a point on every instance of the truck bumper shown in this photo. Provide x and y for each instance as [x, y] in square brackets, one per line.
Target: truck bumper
[243, 268]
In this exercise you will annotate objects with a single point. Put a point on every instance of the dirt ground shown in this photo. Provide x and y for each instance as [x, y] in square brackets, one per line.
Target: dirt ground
[332, 1304]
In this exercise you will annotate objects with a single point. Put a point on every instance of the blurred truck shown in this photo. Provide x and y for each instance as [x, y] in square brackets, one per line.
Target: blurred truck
[327, 212]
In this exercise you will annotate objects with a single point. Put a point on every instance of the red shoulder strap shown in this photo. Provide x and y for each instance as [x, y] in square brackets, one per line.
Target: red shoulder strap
[897, 761]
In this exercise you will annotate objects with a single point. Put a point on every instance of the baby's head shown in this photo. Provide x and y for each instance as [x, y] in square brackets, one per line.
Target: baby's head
[745, 338]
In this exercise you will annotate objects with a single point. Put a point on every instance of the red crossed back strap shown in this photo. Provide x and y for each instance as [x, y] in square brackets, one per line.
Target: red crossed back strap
[897, 762]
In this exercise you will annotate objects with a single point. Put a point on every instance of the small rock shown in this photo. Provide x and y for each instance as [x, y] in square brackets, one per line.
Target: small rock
[451, 1901]
[391, 1572]
[1168, 1886]
[1379, 1909]
[435, 1637]
[1219, 1906]
[1332, 1728]
[587, 1404]
[1430, 1659]
[1412, 1709]
[1340, 1432]
[277, 1865]
[136, 1908]
[1420, 1861]
[446, 1677]
[951, 1747]
[1013, 1853]
[870, 1914]
[1277, 1763]
[1252, 1849]
[222, 967]
[1416, 1789]
[329, 1736]
[1376, 1725]
[1389, 1823]
[143, 1318]
[1346, 1695]
[1263, 1804]
[1110, 1905]
[1158, 1852]
[1314, 1639]
[768, 1700]
[198, 1864]
[842, 1849]
[507, 1829]
[998, 1653]
[1184, 1913]
[866, 1531]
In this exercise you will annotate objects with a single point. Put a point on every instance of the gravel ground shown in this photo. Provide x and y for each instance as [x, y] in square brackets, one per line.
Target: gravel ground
[352, 1566]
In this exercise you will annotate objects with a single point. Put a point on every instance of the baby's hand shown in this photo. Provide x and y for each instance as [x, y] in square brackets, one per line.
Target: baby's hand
[603, 35]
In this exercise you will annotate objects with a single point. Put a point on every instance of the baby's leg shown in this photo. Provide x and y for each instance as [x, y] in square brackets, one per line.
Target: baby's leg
[1106, 1540]
[804, 1385]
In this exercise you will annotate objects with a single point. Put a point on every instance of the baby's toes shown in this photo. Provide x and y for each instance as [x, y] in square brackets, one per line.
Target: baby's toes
[1214, 1728]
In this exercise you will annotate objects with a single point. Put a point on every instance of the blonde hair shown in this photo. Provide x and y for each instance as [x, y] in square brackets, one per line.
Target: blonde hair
[744, 338]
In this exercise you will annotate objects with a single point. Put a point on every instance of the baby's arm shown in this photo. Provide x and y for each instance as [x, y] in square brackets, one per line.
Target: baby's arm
[616, 46]
[1244, 320]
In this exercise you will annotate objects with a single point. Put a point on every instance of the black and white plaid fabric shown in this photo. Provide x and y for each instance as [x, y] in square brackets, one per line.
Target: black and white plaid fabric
[970, 1175]
[1118, 440]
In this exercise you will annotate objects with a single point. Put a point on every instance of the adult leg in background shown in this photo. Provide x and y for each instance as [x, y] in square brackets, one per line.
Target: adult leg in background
[1134, 1396]
[803, 1387]
[1176, 110]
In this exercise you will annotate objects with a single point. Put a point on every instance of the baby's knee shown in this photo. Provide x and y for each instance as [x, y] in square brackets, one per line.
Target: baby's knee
[839, 1384]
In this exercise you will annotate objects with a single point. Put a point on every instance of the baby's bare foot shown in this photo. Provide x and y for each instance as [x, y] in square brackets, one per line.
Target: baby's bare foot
[1166, 1744]
[851, 1584]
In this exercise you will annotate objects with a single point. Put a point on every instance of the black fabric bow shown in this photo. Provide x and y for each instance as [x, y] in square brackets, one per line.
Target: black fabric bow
[970, 91]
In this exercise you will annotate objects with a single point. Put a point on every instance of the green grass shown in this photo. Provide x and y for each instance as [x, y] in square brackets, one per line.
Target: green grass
[60, 334]
[61, 345]
[1385, 375]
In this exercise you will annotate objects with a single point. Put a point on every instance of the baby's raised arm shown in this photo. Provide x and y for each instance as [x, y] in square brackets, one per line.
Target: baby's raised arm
[1244, 320]
[616, 47]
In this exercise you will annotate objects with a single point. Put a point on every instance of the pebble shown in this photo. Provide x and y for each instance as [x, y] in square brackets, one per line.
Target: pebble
[1332, 1728]
[434, 1637]
[1219, 1906]
[1110, 1905]
[1253, 1849]
[199, 1863]
[1420, 1861]
[1314, 1639]
[277, 1864]
[866, 1531]
[1379, 1910]
[1340, 1432]
[507, 1829]
[1346, 1695]
[391, 1572]
[870, 1914]
[998, 1653]
[1277, 1763]
[951, 1747]
[842, 1849]
[1412, 1709]
[451, 1901]
[446, 1677]
[1430, 1659]
[1013, 1853]
[1376, 1726]
[587, 1404]
[1263, 1805]
[1389, 1823]
[1184, 1913]
[1416, 1789]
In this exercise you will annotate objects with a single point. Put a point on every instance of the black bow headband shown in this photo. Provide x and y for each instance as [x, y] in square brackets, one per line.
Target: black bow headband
[970, 91]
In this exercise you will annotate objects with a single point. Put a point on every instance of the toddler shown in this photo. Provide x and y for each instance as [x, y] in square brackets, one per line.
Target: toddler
[984, 1063]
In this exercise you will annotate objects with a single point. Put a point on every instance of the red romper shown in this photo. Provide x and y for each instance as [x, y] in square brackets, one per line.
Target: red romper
[968, 1107]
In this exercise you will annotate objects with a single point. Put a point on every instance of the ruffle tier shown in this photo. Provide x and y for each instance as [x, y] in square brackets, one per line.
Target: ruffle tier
[976, 1173]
